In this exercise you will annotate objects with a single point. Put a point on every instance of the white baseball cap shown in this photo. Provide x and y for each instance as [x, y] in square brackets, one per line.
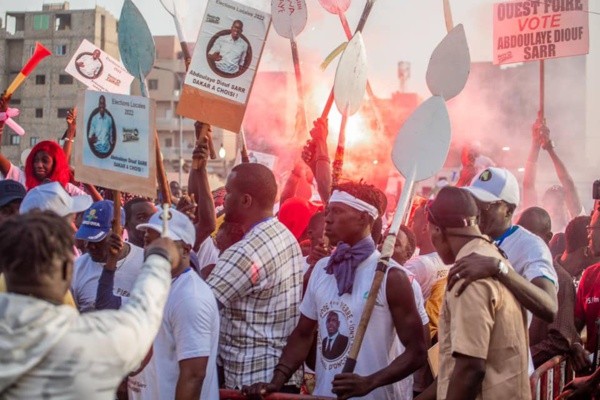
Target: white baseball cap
[53, 197]
[495, 184]
[179, 226]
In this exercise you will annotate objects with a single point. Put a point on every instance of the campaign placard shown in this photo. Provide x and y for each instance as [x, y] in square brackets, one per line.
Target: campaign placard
[536, 30]
[98, 71]
[116, 144]
[223, 67]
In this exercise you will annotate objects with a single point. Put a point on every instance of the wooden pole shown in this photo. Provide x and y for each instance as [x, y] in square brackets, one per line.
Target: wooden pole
[542, 88]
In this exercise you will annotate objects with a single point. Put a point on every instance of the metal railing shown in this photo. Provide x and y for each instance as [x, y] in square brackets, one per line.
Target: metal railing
[548, 381]
[226, 394]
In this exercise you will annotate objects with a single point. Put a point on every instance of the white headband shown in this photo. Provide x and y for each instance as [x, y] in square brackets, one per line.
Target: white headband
[357, 204]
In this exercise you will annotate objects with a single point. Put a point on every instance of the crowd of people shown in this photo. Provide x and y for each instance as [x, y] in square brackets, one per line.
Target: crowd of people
[261, 290]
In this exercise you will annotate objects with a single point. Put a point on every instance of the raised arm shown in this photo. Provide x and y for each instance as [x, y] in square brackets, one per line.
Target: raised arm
[571, 196]
[199, 186]
[70, 133]
[127, 334]
[529, 193]
[316, 156]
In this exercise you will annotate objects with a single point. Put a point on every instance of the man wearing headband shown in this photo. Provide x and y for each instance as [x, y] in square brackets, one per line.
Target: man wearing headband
[533, 281]
[482, 333]
[341, 284]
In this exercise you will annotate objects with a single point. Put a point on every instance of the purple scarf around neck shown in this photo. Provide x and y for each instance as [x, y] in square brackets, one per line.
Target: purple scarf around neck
[344, 261]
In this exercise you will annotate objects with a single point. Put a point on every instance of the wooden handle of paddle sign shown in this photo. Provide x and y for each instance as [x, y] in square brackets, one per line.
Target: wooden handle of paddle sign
[113, 257]
[448, 16]
[382, 266]
[161, 174]
[204, 133]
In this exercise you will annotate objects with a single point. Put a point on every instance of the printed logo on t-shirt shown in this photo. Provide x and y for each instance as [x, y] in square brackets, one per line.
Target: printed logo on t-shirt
[336, 333]
[592, 299]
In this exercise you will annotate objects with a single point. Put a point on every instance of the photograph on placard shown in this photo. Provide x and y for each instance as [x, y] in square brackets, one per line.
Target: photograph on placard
[98, 71]
[229, 46]
[117, 132]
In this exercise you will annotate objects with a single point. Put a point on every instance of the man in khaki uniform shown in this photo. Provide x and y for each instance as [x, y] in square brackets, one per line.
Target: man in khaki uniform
[483, 332]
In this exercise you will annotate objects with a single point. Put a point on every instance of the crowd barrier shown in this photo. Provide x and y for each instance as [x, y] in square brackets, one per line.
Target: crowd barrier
[548, 381]
[225, 394]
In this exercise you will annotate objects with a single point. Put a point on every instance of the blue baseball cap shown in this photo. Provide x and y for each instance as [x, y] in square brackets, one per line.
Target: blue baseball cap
[96, 222]
[10, 191]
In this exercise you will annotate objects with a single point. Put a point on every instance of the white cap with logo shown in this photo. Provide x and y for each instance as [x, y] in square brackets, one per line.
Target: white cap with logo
[495, 184]
[53, 197]
[179, 226]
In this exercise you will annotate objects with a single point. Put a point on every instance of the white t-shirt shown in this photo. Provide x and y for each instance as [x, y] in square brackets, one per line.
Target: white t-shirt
[381, 344]
[531, 258]
[16, 174]
[189, 329]
[428, 269]
[86, 275]
[207, 253]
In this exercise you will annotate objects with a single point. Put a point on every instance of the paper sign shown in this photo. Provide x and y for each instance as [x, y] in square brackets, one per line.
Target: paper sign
[537, 30]
[116, 146]
[224, 64]
[99, 71]
[268, 160]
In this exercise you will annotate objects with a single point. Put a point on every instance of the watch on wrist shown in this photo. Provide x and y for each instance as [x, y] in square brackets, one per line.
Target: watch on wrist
[502, 268]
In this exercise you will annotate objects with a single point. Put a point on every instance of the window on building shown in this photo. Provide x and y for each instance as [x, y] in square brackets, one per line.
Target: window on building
[15, 102]
[62, 112]
[152, 84]
[15, 140]
[33, 141]
[64, 79]
[40, 79]
[39, 113]
[41, 22]
[61, 50]
[20, 23]
[63, 22]
[168, 142]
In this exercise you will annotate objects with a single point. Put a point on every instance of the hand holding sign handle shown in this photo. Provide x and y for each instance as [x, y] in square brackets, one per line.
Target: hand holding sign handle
[419, 152]
[138, 53]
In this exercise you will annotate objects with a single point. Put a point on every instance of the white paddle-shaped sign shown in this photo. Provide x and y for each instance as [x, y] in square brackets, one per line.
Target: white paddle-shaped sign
[349, 90]
[419, 152]
[289, 20]
[449, 65]
[138, 52]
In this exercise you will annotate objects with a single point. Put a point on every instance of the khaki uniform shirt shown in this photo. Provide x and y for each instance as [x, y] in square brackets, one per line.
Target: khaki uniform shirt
[485, 322]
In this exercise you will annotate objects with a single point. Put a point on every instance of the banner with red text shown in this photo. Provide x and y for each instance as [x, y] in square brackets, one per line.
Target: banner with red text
[540, 29]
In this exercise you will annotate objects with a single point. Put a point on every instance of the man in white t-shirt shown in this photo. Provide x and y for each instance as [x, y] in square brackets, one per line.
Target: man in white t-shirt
[393, 346]
[533, 281]
[183, 361]
[229, 52]
[429, 270]
[90, 64]
[95, 231]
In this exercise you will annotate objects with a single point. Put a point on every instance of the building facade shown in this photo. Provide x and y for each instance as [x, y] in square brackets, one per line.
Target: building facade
[49, 92]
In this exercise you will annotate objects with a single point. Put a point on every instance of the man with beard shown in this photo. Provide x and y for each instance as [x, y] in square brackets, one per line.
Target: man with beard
[95, 231]
[257, 282]
[533, 280]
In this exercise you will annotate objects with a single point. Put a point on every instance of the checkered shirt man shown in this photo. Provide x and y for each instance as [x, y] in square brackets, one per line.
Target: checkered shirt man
[258, 284]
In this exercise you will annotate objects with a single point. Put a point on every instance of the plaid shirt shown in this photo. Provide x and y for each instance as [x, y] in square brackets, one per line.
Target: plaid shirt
[258, 281]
